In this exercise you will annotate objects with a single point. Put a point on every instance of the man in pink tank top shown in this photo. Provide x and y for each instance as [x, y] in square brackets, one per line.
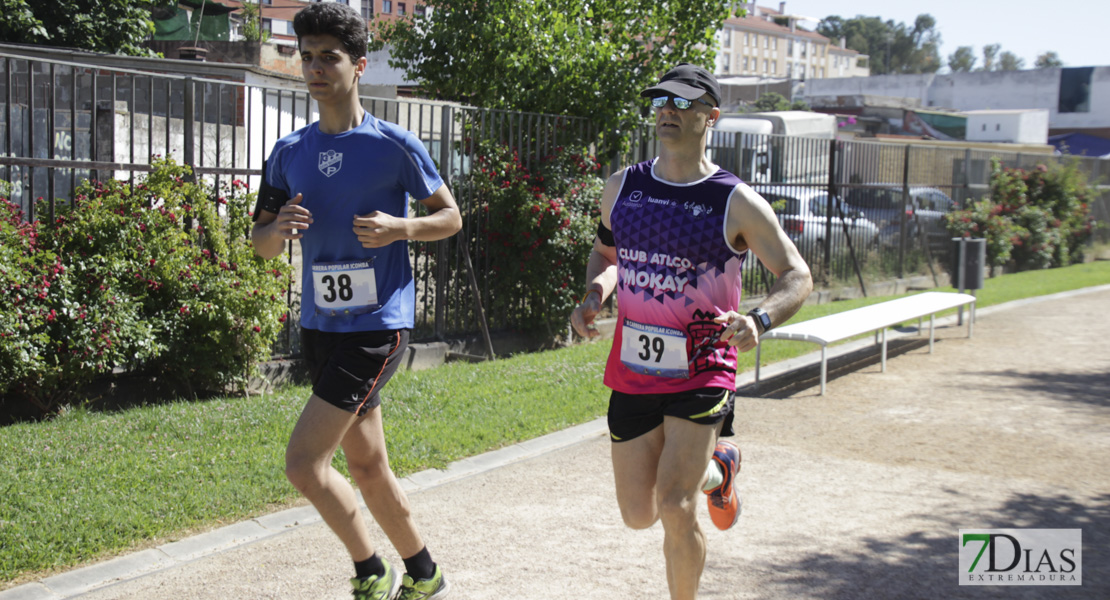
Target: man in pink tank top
[673, 235]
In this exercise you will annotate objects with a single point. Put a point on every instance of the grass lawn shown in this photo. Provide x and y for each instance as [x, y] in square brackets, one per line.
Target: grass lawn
[89, 485]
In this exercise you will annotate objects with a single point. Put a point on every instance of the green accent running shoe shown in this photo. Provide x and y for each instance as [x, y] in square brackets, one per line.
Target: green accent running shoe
[376, 587]
[424, 589]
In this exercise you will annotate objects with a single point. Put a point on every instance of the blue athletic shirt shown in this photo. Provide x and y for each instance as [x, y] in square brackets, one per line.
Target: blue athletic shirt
[369, 168]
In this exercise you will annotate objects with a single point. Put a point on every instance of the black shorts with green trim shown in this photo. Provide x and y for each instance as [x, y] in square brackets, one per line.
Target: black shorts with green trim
[633, 415]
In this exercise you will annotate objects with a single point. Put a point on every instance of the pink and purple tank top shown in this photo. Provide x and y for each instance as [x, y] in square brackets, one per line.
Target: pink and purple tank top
[677, 271]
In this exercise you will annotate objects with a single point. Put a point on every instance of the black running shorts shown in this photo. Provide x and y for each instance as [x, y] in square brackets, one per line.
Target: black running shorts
[633, 415]
[349, 370]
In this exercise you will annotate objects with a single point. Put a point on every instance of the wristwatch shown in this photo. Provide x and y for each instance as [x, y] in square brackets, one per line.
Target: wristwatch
[762, 318]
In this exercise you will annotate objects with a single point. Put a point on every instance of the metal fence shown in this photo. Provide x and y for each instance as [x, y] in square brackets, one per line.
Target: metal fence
[65, 122]
[861, 210]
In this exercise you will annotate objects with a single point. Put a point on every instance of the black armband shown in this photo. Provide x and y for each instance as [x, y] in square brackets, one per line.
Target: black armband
[270, 198]
[605, 235]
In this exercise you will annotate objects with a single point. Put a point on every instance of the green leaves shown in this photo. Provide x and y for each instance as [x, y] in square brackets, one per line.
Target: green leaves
[539, 226]
[114, 26]
[1036, 219]
[551, 56]
[894, 47]
[150, 278]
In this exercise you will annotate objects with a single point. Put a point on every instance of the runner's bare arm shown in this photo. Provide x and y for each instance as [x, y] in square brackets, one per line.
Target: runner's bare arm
[601, 271]
[270, 229]
[378, 229]
[751, 224]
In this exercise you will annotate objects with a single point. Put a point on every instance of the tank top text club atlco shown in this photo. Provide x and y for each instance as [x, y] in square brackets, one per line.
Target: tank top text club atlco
[677, 272]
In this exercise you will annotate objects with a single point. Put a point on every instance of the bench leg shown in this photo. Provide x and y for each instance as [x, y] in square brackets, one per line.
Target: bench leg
[884, 349]
[932, 327]
[758, 348]
[971, 320]
[824, 367]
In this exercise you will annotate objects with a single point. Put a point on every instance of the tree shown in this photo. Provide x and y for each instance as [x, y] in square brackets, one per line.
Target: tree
[252, 23]
[990, 53]
[1048, 60]
[1008, 61]
[773, 101]
[588, 59]
[893, 47]
[962, 60]
[114, 26]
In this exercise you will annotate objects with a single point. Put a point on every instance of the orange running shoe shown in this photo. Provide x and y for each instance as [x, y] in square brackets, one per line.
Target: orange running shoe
[724, 501]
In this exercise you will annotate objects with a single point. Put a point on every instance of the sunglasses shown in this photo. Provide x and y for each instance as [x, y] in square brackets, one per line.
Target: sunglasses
[679, 103]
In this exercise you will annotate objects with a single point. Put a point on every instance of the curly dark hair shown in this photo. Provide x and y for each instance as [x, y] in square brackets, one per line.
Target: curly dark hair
[337, 20]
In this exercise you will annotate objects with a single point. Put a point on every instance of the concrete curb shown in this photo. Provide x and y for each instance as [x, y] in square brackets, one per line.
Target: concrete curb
[181, 552]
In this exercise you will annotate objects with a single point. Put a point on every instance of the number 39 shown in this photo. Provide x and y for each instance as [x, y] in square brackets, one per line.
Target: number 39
[652, 344]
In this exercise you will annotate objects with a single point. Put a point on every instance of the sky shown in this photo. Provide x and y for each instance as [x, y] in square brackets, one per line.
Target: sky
[1076, 30]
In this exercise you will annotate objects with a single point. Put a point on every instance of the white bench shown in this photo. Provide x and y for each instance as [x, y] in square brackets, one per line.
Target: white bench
[876, 317]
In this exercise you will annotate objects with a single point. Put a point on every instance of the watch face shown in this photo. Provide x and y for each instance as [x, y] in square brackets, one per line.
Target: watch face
[763, 318]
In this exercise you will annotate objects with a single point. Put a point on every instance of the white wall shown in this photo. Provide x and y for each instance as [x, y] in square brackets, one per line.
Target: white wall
[1019, 127]
[996, 90]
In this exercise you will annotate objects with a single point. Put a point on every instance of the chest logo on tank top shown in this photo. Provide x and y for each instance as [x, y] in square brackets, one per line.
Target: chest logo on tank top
[330, 162]
[697, 210]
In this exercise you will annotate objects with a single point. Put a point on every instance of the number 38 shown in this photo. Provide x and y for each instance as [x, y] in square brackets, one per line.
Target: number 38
[652, 344]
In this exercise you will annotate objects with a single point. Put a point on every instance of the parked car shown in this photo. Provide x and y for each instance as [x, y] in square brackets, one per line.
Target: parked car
[884, 206]
[803, 216]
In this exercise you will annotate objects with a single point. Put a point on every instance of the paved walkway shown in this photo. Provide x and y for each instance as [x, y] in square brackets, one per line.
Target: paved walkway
[856, 494]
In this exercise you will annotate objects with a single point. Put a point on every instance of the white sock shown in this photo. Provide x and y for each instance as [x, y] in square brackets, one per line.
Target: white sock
[713, 476]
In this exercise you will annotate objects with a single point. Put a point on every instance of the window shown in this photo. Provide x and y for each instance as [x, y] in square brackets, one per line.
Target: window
[387, 7]
[727, 60]
[726, 39]
[745, 63]
[400, 8]
[1075, 90]
[368, 10]
[419, 10]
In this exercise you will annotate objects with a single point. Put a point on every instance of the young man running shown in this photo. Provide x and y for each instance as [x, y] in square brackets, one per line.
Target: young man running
[340, 186]
[672, 240]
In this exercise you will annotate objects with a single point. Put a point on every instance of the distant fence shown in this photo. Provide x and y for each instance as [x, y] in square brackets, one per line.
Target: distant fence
[63, 123]
[911, 184]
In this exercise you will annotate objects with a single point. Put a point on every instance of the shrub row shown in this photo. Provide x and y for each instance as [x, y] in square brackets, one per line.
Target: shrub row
[537, 225]
[1032, 219]
[157, 277]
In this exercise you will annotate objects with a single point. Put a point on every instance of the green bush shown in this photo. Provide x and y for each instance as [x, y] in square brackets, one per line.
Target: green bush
[156, 278]
[538, 226]
[1032, 219]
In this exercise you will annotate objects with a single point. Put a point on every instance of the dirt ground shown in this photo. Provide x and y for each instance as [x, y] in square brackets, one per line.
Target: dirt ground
[856, 494]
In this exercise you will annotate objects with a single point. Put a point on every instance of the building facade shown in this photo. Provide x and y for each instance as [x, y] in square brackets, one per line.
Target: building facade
[277, 15]
[769, 43]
